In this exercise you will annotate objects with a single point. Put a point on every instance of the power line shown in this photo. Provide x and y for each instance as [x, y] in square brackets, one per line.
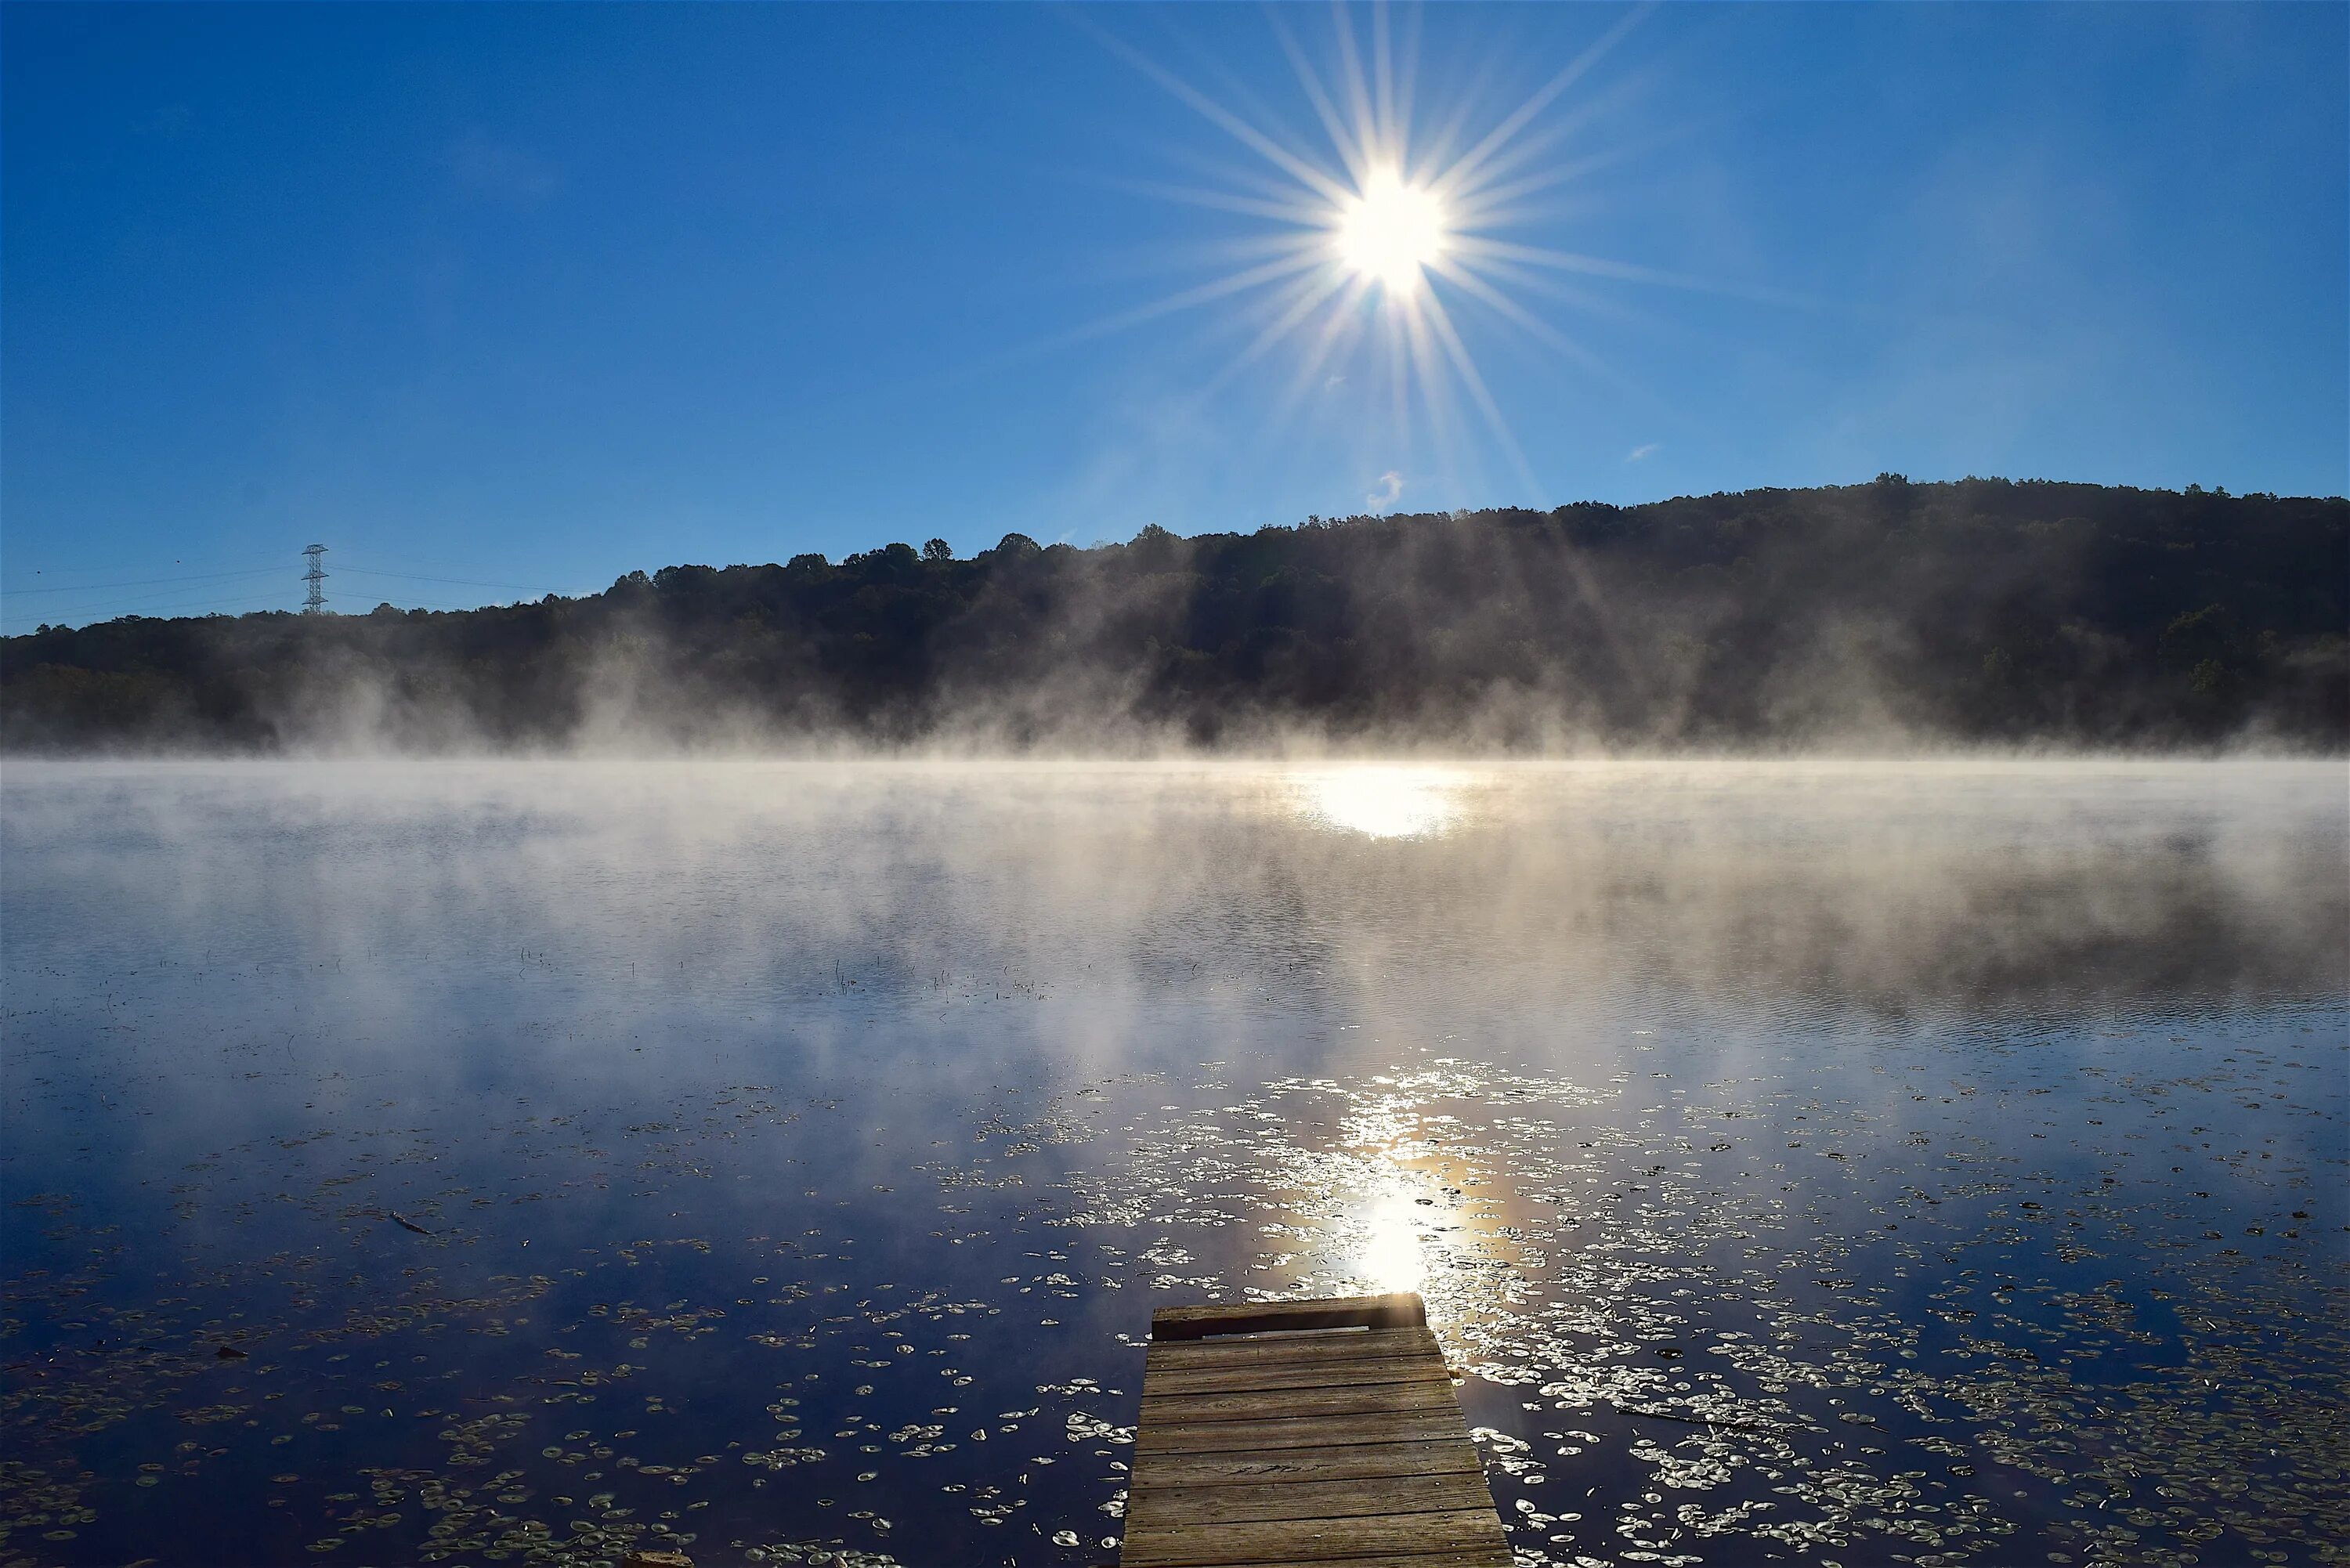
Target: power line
[19, 625]
[263, 571]
[143, 582]
[170, 598]
[227, 600]
[419, 577]
[23, 624]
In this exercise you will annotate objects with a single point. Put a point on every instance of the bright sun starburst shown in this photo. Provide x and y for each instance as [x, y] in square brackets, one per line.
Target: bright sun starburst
[1386, 239]
[1391, 231]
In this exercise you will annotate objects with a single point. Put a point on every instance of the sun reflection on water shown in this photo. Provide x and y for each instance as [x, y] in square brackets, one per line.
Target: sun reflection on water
[1384, 802]
[1389, 1257]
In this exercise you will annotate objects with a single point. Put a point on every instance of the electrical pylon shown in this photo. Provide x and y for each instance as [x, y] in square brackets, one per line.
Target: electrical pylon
[315, 603]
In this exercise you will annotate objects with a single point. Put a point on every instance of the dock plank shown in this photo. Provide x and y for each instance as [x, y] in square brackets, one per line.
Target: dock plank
[1183, 1505]
[1402, 1309]
[1321, 1433]
[1313, 1373]
[1346, 1461]
[1434, 1393]
[1316, 1540]
[1329, 1344]
[1459, 1557]
[1307, 1432]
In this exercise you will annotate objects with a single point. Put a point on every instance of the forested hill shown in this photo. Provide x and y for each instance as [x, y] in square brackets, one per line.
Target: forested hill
[1893, 613]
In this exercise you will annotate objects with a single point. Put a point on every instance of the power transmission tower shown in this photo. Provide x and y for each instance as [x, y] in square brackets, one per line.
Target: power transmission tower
[315, 603]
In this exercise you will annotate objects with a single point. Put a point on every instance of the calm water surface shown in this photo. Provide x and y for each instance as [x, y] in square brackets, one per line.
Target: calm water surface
[1827, 1164]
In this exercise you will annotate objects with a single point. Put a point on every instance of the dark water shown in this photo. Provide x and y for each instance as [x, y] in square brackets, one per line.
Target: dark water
[1838, 1165]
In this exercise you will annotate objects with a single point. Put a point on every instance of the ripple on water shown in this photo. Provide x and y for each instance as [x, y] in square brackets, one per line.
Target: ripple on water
[772, 1252]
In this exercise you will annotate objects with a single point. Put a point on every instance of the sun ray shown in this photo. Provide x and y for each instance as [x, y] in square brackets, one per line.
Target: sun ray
[1396, 339]
[1439, 148]
[1628, 272]
[1221, 252]
[1440, 323]
[1309, 294]
[1518, 314]
[1389, 248]
[1372, 247]
[1186, 299]
[1216, 114]
[1350, 71]
[1466, 166]
[1383, 88]
[1407, 71]
[1340, 325]
[1593, 602]
[1435, 388]
[1532, 145]
[1283, 210]
[1354, 156]
[1490, 206]
[1588, 302]
[1560, 342]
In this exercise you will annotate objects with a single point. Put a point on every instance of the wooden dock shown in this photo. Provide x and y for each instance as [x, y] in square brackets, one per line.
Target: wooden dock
[1321, 1432]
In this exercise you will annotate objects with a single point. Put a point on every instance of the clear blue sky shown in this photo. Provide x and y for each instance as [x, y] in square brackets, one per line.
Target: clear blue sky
[537, 294]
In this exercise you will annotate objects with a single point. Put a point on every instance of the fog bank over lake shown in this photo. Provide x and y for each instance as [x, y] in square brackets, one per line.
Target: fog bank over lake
[1935, 1161]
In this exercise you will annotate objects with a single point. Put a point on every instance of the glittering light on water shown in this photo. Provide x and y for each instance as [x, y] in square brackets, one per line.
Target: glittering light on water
[1389, 1258]
[1385, 801]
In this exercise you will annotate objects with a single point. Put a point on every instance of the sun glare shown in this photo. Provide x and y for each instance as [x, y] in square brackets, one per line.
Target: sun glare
[1391, 231]
[1388, 1253]
[1383, 802]
[1385, 239]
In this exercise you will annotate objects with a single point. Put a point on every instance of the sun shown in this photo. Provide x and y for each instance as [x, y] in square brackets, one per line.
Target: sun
[1390, 231]
[1384, 239]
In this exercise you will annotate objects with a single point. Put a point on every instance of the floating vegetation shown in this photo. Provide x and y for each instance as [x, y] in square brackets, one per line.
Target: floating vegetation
[749, 1265]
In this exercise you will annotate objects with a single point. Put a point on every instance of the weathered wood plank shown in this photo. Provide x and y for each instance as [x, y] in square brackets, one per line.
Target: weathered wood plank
[1273, 1404]
[1271, 1467]
[1307, 1432]
[1166, 1507]
[1314, 1539]
[1463, 1557]
[1402, 1309]
[1272, 1435]
[1265, 1375]
[1332, 1344]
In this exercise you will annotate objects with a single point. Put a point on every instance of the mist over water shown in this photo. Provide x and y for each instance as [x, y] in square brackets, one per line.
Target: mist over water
[1804, 1162]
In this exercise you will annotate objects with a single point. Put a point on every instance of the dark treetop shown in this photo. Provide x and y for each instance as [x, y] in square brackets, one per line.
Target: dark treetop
[1981, 611]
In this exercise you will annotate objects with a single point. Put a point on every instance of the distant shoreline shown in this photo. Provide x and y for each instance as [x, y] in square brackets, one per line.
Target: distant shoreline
[1881, 619]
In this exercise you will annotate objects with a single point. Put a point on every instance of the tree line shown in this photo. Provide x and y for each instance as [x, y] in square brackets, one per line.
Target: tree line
[1981, 611]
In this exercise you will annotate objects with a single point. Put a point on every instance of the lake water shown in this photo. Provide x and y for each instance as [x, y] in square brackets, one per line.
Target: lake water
[1818, 1163]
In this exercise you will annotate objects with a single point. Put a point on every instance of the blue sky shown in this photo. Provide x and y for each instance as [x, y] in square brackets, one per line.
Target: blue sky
[514, 299]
